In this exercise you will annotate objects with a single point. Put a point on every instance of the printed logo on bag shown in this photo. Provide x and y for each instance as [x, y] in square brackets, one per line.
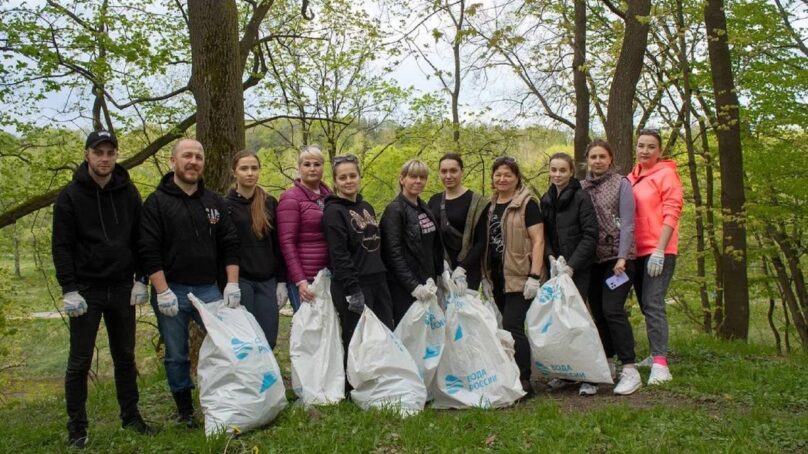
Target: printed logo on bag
[565, 370]
[474, 381]
[267, 382]
[433, 322]
[241, 348]
[458, 333]
[547, 293]
[546, 325]
[541, 368]
[432, 351]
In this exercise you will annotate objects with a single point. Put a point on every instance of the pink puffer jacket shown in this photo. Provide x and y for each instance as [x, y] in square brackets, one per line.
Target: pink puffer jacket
[300, 234]
[657, 201]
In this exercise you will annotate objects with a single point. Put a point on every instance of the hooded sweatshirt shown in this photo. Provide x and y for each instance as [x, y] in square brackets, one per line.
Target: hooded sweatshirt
[657, 202]
[95, 231]
[186, 236]
[259, 259]
[354, 243]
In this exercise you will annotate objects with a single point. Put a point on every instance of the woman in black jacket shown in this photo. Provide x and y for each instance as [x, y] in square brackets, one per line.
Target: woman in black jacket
[354, 250]
[411, 246]
[262, 273]
[571, 231]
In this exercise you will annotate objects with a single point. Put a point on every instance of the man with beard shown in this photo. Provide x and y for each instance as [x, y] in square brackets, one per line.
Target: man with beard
[95, 228]
[185, 235]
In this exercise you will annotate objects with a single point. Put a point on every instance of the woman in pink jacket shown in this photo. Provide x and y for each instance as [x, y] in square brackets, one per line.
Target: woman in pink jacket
[300, 234]
[658, 205]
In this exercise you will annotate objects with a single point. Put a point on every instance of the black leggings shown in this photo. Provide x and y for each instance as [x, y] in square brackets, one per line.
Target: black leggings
[609, 312]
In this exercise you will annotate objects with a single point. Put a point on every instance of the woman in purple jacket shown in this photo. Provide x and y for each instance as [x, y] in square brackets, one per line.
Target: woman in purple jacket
[300, 211]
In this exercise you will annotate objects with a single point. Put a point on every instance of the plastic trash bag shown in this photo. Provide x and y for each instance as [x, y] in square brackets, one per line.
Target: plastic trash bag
[240, 383]
[315, 348]
[422, 330]
[564, 341]
[475, 370]
[381, 370]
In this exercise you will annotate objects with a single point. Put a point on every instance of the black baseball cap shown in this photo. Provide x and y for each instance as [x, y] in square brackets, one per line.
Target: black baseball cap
[98, 137]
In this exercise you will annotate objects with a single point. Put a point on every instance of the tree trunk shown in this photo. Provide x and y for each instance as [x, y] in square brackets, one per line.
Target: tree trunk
[15, 232]
[458, 40]
[581, 88]
[727, 127]
[216, 72]
[620, 115]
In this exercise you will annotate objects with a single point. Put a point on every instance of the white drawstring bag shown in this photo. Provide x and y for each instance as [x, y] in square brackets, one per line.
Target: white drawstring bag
[422, 330]
[240, 384]
[475, 370]
[315, 348]
[382, 371]
[564, 341]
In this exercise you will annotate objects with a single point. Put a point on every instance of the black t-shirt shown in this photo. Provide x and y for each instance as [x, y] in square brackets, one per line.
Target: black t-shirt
[456, 212]
[496, 246]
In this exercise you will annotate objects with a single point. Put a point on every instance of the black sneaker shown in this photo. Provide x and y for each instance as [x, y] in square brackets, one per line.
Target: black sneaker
[187, 420]
[77, 439]
[138, 425]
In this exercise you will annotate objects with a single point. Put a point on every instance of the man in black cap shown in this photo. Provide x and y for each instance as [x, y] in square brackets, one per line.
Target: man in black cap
[95, 235]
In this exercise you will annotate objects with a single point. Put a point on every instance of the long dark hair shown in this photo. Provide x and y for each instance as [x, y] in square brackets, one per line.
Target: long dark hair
[258, 213]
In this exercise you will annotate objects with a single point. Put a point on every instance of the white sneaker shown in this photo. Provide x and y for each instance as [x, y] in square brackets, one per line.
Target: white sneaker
[659, 374]
[630, 381]
[612, 368]
[647, 362]
[587, 389]
[558, 383]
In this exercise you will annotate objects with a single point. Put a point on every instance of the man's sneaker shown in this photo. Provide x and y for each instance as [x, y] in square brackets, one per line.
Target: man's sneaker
[558, 383]
[659, 374]
[612, 368]
[630, 381]
[647, 362]
[138, 425]
[77, 439]
[587, 389]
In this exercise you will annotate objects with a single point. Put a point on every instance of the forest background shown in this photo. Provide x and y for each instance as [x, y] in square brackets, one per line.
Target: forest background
[389, 80]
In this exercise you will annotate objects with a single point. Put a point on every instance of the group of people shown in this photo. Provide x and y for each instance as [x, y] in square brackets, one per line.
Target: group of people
[249, 249]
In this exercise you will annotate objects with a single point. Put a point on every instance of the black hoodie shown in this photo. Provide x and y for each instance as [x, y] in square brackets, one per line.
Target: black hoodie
[354, 243]
[259, 260]
[95, 231]
[186, 236]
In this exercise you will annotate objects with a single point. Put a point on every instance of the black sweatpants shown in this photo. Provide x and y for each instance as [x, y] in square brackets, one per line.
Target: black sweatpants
[513, 307]
[609, 311]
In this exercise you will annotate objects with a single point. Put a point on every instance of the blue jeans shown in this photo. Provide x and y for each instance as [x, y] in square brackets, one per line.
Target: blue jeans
[260, 299]
[294, 295]
[651, 295]
[174, 331]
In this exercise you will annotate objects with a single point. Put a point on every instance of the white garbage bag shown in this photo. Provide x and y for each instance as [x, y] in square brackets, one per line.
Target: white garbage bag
[240, 383]
[315, 348]
[381, 370]
[422, 330]
[475, 370]
[564, 341]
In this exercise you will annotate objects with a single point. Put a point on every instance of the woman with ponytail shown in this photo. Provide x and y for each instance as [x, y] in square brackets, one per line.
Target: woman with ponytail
[262, 273]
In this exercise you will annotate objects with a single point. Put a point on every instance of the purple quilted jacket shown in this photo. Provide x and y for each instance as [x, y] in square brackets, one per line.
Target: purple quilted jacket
[301, 237]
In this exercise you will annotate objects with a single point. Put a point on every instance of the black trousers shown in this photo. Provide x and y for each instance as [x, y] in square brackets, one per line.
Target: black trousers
[513, 307]
[111, 303]
[609, 311]
[377, 298]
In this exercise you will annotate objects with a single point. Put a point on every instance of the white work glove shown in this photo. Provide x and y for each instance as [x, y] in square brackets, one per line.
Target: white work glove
[487, 289]
[563, 268]
[282, 294]
[232, 295]
[140, 294]
[75, 305]
[167, 303]
[459, 278]
[655, 263]
[356, 302]
[532, 287]
[425, 291]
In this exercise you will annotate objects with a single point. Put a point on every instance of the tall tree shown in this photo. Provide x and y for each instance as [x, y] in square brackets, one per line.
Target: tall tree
[581, 139]
[727, 127]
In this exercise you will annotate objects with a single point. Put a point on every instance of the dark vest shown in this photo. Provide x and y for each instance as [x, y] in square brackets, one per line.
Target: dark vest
[605, 193]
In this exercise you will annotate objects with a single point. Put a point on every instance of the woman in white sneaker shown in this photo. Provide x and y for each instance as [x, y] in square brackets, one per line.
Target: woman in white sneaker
[613, 199]
[658, 205]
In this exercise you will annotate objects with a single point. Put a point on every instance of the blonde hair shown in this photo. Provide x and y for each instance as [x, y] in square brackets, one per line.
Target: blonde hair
[310, 151]
[414, 168]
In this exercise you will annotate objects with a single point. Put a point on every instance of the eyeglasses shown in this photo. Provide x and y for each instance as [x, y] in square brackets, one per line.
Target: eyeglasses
[343, 159]
[503, 159]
